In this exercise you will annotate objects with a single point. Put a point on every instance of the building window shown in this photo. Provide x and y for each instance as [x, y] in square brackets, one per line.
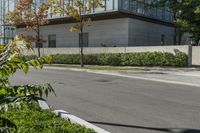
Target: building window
[125, 4]
[162, 40]
[85, 39]
[52, 41]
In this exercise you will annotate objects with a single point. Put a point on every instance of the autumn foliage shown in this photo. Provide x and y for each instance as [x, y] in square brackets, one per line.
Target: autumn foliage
[32, 16]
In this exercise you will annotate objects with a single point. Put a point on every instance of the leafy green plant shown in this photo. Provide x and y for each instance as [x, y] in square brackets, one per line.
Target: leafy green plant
[33, 120]
[61, 59]
[6, 125]
[110, 59]
[10, 95]
[181, 59]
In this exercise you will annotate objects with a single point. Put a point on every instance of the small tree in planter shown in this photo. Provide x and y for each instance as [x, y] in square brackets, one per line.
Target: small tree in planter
[31, 14]
[79, 11]
[10, 62]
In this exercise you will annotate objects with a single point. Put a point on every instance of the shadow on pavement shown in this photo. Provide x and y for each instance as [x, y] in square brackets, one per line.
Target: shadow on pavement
[166, 130]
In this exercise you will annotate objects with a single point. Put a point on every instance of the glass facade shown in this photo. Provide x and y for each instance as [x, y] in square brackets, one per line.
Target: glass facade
[109, 6]
[6, 32]
[144, 8]
[137, 7]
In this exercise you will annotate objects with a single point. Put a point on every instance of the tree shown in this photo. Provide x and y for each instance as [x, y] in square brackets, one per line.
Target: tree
[79, 11]
[186, 17]
[31, 14]
[174, 7]
[15, 95]
[190, 18]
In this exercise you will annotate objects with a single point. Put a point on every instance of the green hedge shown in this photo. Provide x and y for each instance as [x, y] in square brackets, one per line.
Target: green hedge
[127, 59]
[39, 121]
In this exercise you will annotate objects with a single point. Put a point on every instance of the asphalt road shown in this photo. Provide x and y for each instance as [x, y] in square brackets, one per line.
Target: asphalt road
[122, 105]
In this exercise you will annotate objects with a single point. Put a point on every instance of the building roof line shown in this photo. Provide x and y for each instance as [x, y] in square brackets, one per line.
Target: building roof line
[105, 16]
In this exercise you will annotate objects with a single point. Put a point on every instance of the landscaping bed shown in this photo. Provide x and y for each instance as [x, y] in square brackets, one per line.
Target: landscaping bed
[179, 59]
[41, 121]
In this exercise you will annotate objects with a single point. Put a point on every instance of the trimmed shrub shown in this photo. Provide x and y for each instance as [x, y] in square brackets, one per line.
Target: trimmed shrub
[109, 59]
[126, 59]
[91, 59]
[181, 59]
[154, 59]
[114, 59]
[65, 59]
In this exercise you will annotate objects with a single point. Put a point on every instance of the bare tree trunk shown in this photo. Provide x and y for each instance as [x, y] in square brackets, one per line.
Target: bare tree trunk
[81, 59]
[37, 30]
[81, 45]
[39, 54]
[175, 28]
[38, 41]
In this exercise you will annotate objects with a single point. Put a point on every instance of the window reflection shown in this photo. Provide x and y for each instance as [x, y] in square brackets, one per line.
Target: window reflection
[144, 7]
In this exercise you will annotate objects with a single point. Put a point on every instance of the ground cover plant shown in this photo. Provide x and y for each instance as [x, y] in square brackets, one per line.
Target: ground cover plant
[14, 95]
[34, 120]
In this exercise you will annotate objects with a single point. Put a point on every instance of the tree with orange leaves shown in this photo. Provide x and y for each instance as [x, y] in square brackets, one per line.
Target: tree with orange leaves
[31, 14]
[79, 10]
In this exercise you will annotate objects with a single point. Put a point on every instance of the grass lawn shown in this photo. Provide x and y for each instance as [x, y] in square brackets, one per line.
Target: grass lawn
[95, 67]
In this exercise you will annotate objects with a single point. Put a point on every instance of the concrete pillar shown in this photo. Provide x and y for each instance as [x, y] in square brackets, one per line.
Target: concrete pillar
[189, 55]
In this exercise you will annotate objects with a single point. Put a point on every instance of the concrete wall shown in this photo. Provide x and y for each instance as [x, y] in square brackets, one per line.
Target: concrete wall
[146, 33]
[112, 32]
[121, 32]
[193, 52]
[98, 50]
[196, 55]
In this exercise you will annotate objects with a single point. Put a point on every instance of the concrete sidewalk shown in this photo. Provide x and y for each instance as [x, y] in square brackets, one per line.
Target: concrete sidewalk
[192, 71]
[188, 71]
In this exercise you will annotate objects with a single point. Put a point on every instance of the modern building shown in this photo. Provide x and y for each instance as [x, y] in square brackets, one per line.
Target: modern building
[119, 23]
[7, 32]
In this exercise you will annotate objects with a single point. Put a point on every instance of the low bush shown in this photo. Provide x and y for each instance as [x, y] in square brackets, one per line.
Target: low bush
[39, 121]
[181, 59]
[28, 58]
[62, 59]
[125, 59]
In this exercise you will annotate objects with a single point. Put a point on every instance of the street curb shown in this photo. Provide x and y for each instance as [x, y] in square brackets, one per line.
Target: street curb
[75, 119]
[114, 73]
[72, 118]
[136, 67]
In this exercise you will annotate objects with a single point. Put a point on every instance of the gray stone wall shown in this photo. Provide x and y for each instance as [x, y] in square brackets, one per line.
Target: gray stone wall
[196, 55]
[146, 33]
[112, 32]
[98, 50]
